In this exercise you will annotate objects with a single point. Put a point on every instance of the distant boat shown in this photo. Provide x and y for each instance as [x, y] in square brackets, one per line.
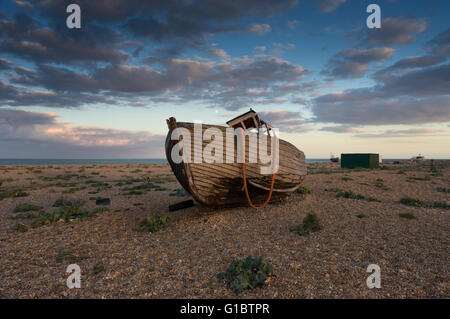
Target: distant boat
[418, 158]
[334, 159]
[221, 184]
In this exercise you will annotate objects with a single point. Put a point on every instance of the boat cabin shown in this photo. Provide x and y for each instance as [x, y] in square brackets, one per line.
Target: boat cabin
[247, 121]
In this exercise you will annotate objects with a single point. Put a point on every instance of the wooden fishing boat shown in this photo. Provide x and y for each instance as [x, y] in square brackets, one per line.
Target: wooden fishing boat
[222, 184]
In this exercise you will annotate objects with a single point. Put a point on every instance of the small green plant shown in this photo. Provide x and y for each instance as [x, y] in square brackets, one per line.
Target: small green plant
[361, 216]
[94, 183]
[443, 190]
[380, 184]
[98, 268]
[21, 228]
[333, 189]
[69, 256]
[73, 190]
[139, 189]
[414, 178]
[135, 193]
[352, 195]
[303, 190]
[60, 214]
[407, 215]
[419, 203]
[13, 193]
[155, 223]
[26, 208]
[246, 274]
[346, 178]
[311, 223]
[24, 216]
[178, 192]
[409, 201]
[439, 205]
[66, 202]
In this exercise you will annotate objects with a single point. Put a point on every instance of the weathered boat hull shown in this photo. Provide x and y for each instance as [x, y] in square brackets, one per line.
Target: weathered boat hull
[221, 184]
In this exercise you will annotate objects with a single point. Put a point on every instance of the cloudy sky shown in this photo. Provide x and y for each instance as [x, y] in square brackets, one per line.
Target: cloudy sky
[311, 68]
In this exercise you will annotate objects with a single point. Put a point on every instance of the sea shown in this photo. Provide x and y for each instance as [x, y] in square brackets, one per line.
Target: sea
[73, 161]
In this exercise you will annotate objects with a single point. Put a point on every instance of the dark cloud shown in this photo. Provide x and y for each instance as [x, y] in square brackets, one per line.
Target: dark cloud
[309, 88]
[441, 43]
[94, 64]
[17, 118]
[31, 134]
[57, 79]
[259, 28]
[417, 95]
[402, 133]
[134, 79]
[5, 64]
[329, 5]
[187, 22]
[365, 108]
[209, 10]
[353, 63]
[7, 91]
[409, 63]
[285, 121]
[231, 84]
[11, 95]
[395, 31]
[24, 38]
[340, 129]
[24, 4]
[366, 56]
[293, 24]
[420, 83]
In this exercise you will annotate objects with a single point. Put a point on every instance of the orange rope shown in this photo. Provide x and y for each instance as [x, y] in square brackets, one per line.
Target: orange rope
[245, 179]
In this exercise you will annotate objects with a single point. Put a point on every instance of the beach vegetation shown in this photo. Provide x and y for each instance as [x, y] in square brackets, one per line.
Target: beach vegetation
[380, 184]
[65, 211]
[19, 227]
[13, 193]
[311, 223]
[407, 215]
[70, 256]
[409, 201]
[155, 223]
[414, 178]
[180, 192]
[26, 208]
[303, 190]
[246, 274]
[98, 268]
[443, 190]
[352, 195]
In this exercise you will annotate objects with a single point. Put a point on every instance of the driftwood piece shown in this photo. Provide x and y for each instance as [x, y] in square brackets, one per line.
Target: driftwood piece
[181, 205]
[103, 201]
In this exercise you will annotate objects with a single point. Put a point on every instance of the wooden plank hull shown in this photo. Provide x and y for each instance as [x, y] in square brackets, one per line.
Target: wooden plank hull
[221, 184]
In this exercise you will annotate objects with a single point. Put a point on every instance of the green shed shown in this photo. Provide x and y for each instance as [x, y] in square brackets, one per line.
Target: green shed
[365, 160]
